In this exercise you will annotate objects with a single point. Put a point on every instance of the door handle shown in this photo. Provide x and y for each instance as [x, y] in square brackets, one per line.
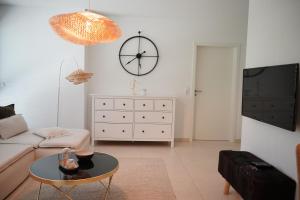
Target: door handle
[197, 91]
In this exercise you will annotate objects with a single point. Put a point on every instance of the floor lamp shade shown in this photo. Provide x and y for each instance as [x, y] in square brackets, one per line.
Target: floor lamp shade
[85, 28]
[79, 76]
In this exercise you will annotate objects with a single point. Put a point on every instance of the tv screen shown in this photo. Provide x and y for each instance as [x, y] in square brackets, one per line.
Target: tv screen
[270, 95]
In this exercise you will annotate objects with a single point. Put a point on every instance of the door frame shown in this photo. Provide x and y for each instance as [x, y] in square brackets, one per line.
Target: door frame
[236, 95]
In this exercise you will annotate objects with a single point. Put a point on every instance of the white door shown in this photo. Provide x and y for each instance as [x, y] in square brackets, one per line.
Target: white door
[213, 94]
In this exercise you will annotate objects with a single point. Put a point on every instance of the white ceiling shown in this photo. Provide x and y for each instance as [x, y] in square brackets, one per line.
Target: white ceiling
[145, 8]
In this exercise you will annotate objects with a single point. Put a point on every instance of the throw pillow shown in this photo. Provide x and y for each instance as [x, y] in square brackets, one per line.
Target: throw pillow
[51, 132]
[7, 111]
[12, 126]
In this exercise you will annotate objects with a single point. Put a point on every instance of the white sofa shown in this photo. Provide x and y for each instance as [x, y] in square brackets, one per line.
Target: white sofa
[19, 152]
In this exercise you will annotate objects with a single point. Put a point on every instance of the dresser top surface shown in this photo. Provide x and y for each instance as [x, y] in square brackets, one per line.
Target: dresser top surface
[132, 97]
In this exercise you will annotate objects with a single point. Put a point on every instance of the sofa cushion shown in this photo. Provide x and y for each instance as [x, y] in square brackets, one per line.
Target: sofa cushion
[12, 126]
[7, 111]
[9, 153]
[27, 138]
[74, 140]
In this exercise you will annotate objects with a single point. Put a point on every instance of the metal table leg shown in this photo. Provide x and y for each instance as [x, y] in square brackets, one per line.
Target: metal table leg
[62, 192]
[39, 192]
[108, 187]
[67, 194]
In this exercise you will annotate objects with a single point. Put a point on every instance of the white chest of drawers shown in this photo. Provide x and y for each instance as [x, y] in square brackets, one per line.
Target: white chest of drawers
[133, 118]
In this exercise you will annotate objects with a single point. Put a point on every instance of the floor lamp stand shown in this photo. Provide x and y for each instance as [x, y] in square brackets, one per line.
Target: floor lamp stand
[58, 94]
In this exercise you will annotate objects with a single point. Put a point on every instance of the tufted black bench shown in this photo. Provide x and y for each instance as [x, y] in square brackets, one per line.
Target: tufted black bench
[253, 178]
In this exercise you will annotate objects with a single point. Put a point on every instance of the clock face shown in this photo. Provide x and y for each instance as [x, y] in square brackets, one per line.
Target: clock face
[138, 55]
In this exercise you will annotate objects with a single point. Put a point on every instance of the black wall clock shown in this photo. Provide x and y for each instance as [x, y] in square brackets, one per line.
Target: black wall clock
[138, 55]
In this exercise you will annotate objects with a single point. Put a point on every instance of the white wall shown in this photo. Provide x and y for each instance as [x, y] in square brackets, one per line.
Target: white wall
[273, 38]
[30, 56]
[215, 22]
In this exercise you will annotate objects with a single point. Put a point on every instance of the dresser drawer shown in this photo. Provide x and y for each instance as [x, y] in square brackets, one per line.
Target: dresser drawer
[113, 116]
[104, 104]
[123, 104]
[163, 105]
[153, 117]
[151, 131]
[143, 104]
[122, 131]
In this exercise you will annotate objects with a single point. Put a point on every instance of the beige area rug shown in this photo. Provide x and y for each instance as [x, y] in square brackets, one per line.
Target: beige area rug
[136, 179]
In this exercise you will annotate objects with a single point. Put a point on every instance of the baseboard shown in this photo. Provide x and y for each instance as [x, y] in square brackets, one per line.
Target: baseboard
[182, 139]
[237, 141]
[233, 141]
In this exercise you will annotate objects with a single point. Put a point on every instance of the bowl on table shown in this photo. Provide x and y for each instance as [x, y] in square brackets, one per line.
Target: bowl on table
[84, 155]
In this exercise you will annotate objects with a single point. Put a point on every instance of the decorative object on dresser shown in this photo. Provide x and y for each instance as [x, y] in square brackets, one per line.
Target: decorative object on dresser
[133, 118]
[143, 61]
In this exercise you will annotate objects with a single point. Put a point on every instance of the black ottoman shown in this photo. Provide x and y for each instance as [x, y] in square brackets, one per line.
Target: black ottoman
[252, 180]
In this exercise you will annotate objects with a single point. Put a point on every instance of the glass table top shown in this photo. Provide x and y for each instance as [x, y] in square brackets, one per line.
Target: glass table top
[48, 167]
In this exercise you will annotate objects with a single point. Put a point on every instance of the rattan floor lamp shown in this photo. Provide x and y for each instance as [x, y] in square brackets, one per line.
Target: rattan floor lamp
[76, 77]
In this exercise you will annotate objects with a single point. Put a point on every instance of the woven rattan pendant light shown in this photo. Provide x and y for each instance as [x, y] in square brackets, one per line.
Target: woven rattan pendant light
[85, 27]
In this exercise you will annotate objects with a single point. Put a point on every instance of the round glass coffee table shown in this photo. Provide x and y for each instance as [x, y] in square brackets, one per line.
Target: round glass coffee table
[101, 166]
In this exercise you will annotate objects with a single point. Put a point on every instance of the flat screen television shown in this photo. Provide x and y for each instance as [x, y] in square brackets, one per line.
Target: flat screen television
[270, 94]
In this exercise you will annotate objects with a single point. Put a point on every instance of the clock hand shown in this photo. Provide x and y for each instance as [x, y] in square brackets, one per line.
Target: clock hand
[131, 60]
[139, 67]
[138, 56]
[139, 46]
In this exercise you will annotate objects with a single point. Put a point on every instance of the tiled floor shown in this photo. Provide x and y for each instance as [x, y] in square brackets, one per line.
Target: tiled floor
[192, 167]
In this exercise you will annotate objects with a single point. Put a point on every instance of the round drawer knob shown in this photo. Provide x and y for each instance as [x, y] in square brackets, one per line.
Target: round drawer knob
[103, 116]
[144, 105]
[123, 131]
[143, 131]
[103, 130]
[163, 117]
[103, 104]
[164, 105]
[124, 104]
[143, 117]
[162, 131]
[123, 116]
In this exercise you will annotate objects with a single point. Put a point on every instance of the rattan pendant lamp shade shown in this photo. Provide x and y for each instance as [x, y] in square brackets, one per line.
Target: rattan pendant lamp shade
[85, 28]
